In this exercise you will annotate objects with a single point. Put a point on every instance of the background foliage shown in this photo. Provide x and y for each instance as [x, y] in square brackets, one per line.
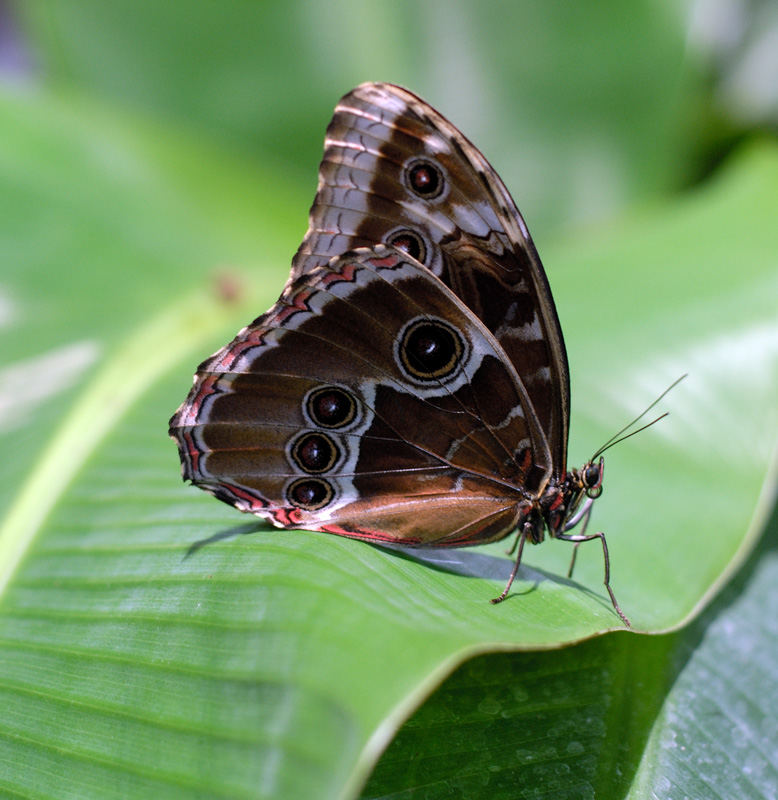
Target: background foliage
[157, 161]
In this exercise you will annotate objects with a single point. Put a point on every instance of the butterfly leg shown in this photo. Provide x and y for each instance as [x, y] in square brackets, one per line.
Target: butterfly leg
[583, 537]
[572, 560]
[584, 513]
[520, 539]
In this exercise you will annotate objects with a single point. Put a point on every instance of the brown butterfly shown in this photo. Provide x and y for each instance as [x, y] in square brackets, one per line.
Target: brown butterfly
[411, 383]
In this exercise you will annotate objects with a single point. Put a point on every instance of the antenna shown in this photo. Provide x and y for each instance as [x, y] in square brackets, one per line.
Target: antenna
[617, 437]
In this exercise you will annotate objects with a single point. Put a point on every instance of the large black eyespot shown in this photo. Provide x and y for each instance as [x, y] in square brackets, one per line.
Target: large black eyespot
[315, 452]
[410, 242]
[425, 178]
[331, 407]
[430, 349]
[309, 494]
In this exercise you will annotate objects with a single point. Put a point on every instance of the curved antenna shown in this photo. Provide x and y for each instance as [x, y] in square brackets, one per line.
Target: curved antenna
[617, 437]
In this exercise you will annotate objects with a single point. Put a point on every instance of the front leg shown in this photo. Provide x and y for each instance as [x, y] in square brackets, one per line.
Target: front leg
[525, 531]
[584, 513]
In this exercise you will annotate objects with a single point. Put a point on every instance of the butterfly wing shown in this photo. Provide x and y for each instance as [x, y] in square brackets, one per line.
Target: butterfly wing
[369, 402]
[396, 171]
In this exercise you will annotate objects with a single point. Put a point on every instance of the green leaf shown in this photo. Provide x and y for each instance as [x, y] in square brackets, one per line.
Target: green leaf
[689, 714]
[280, 664]
[715, 733]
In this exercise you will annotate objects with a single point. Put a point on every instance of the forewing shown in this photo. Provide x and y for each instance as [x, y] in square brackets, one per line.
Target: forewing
[469, 232]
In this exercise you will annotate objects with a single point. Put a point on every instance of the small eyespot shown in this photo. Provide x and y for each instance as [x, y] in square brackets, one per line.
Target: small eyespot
[331, 407]
[314, 452]
[410, 242]
[310, 494]
[425, 178]
[430, 349]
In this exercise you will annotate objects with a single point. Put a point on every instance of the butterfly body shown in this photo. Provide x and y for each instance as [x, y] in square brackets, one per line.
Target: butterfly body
[411, 384]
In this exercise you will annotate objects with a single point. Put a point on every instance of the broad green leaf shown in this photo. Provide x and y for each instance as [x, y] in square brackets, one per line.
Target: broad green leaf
[689, 714]
[279, 664]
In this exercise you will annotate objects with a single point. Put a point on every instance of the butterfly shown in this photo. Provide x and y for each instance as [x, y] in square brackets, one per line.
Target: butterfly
[411, 384]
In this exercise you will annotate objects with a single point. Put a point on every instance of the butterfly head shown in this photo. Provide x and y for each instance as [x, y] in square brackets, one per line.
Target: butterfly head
[560, 506]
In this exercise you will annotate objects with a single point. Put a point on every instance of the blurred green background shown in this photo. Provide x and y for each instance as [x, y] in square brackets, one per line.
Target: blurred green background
[584, 108]
[157, 161]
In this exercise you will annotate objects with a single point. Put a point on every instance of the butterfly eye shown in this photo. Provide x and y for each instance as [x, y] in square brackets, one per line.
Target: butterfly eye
[309, 493]
[425, 178]
[592, 479]
[430, 349]
[315, 452]
[410, 242]
[331, 407]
